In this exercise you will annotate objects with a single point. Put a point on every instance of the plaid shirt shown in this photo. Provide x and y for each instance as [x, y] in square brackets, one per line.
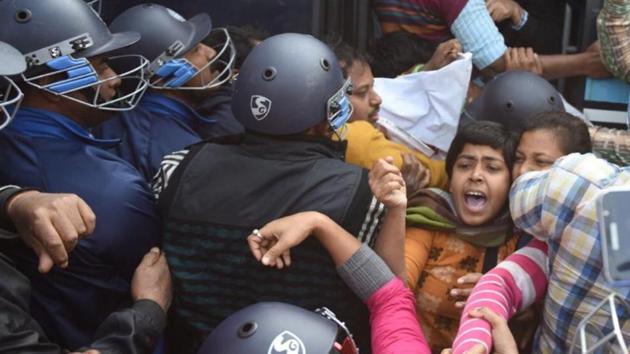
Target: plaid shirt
[613, 24]
[559, 205]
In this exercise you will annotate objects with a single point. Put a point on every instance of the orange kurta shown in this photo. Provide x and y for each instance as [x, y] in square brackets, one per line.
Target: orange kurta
[435, 260]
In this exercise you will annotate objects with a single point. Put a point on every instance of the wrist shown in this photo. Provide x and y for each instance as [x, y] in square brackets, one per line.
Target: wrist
[317, 224]
[13, 201]
[519, 17]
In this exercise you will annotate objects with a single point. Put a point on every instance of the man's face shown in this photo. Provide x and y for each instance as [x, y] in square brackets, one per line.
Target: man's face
[479, 184]
[108, 89]
[365, 101]
[200, 56]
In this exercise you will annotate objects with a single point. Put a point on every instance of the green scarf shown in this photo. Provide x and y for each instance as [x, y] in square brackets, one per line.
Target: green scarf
[433, 209]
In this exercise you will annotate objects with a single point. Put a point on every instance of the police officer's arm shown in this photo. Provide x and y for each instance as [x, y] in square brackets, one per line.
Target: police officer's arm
[137, 329]
[51, 224]
[132, 330]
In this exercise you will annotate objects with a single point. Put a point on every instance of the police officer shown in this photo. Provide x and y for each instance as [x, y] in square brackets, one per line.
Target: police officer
[182, 72]
[291, 98]
[69, 88]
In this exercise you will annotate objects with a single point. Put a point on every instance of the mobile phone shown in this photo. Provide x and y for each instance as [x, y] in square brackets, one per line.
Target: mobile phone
[613, 208]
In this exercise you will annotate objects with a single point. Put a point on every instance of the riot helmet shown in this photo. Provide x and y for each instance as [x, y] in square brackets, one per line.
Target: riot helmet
[289, 83]
[57, 37]
[11, 63]
[278, 328]
[512, 97]
[167, 37]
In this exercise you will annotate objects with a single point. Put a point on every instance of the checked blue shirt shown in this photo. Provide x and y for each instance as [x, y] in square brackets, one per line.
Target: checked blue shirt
[559, 205]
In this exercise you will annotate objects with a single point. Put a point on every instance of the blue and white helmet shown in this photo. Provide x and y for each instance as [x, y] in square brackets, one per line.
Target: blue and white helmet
[57, 37]
[167, 37]
[11, 63]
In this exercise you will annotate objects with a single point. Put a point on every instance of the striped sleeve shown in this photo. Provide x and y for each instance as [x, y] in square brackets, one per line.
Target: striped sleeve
[516, 283]
[372, 222]
[167, 167]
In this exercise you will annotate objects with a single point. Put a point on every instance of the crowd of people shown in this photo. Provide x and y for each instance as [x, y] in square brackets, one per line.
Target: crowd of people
[173, 187]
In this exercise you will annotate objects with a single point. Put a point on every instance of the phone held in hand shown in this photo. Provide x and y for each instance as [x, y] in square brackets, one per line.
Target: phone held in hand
[613, 208]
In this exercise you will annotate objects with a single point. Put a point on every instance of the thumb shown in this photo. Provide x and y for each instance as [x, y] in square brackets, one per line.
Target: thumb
[486, 314]
[45, 262]
[152, 256]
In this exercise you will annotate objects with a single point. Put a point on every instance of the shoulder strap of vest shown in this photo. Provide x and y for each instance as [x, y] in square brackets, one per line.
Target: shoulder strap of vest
[359, 206]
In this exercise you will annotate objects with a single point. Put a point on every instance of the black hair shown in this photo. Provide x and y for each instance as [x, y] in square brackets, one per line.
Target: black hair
[571, 131]
[396, 52]
[486, 133]
[345, 53]
[244, 39]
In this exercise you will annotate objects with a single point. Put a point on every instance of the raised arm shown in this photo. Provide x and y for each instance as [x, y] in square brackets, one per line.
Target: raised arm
[516, 283]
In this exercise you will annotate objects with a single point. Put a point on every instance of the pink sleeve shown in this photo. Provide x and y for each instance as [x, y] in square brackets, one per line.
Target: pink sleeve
[513, 285]
[395, 327]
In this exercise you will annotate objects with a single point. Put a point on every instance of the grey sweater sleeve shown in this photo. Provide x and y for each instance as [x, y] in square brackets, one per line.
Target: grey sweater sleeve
[365, 272]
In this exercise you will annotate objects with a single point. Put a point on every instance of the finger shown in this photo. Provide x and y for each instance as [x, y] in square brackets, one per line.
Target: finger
[286, 258]
[529, 53]
[46, 234]
[538, 66]
[462, 292]
[89, 219]
[447, 351]
[254, 246]
[460, 304]
[382, 167]
[279, 263]
[66, 230]
[151, 257]
[470, 278]
[477, 349]
[488, 315]
[273, 254]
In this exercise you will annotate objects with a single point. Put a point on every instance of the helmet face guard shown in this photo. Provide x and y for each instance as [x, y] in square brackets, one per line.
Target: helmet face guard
[589, 337]
[56, 71]
[171, 71]
[339, 109]
[10, 99]
[345, 342]
[96, 5]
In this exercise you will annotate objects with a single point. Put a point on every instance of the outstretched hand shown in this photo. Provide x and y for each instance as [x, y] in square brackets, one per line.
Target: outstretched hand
[51, 224]
[387, 184]
[271, 245]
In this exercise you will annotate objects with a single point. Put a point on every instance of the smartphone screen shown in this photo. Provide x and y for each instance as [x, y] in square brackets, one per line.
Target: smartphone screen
[614, 218]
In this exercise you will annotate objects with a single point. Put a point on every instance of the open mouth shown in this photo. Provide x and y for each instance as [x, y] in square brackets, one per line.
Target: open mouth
[475, 201]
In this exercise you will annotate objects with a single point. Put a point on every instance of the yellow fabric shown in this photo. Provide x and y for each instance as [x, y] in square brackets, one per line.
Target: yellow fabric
[434, 261]
[366, 144]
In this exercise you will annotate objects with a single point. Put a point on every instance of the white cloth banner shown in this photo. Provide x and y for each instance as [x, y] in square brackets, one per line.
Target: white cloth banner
[423, 108]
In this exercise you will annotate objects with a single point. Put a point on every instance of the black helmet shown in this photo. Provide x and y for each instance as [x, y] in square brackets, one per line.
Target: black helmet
[514, 96]
[167, 37]
[277, 328]
[56, 37]
[11, 63]
[289, 83]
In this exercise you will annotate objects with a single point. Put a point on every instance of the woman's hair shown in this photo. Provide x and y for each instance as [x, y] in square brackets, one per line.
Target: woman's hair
[571, 132]
[484, 133]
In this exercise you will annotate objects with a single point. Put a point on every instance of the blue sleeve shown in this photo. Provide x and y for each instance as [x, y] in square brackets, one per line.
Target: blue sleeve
[478, 34]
